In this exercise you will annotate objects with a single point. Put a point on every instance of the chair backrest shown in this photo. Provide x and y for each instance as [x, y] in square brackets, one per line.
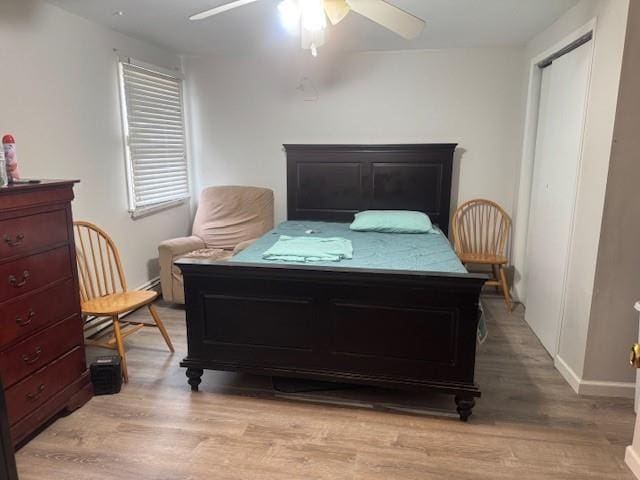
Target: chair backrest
[229, 215]
[100, 271]
[480, 227]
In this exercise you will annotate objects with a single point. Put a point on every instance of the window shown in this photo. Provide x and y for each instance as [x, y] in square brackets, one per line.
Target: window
[153, 122]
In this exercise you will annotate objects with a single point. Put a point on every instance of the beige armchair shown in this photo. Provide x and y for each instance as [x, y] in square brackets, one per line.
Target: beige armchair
[228, 219]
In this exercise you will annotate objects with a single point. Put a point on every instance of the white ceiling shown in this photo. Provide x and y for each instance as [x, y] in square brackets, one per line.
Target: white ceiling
[256, 27]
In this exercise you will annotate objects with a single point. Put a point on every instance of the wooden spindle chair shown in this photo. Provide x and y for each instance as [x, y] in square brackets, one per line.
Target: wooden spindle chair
[481, 230]
[103, 289]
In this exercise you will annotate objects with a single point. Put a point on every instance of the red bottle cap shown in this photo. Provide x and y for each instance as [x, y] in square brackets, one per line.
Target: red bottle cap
[8, 139]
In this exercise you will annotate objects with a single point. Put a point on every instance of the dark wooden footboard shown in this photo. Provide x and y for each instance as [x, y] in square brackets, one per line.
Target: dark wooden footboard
[374, 327]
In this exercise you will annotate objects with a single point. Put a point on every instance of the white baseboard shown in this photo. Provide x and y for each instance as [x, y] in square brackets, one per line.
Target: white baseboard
[150, 285]
[567, 372]
[632, 460]
[608, 389]
[593, 387]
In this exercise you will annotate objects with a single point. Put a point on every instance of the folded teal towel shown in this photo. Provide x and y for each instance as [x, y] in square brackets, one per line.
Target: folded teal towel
[309, 249]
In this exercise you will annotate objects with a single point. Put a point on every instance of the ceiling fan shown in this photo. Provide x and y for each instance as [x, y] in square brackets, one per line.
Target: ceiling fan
[308, 17]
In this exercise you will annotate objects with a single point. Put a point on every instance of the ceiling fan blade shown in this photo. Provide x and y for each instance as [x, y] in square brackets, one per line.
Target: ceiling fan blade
[389, 16]
[336, 10]
[220, 9]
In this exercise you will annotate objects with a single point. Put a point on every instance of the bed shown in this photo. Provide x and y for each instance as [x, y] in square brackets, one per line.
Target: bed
[403, 313]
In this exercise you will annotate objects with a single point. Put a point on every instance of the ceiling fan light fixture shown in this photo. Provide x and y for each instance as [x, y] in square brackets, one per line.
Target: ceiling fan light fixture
[309, 17]
[312, 15]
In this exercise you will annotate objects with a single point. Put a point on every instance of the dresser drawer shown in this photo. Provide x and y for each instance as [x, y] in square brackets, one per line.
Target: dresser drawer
[19, 236]
[29, 355]
[27, 274]
[30, 393]
[27, 314]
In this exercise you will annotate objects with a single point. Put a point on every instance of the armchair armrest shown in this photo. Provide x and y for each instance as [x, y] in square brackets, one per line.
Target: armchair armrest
[168, 251]
[180, 246]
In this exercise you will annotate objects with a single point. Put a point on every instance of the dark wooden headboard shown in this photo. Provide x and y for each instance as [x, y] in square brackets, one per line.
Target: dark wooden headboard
[333, 182]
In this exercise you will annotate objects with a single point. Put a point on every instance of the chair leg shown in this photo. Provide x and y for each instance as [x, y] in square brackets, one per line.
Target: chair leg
[496, 277]
[120, 347]
[160, 326]
[505, 289]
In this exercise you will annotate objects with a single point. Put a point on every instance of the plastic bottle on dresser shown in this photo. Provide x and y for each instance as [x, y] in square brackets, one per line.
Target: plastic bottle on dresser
[4, 178]
[9, 147]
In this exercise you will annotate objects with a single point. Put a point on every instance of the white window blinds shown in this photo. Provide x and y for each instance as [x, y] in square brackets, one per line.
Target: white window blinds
[153, 120]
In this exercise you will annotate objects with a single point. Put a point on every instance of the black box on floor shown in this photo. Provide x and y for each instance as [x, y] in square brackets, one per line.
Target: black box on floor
[106, 375]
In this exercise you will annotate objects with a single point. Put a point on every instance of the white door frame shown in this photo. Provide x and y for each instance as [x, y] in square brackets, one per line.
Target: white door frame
[523, 204]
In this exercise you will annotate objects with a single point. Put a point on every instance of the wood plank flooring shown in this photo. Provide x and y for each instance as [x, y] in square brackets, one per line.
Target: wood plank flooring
[528, 425]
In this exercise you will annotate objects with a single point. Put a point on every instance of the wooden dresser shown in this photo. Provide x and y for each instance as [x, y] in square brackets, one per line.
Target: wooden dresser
[42, 358]
[7, 459]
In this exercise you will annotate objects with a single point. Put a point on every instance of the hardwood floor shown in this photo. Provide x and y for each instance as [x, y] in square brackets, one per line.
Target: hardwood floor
[528, 425]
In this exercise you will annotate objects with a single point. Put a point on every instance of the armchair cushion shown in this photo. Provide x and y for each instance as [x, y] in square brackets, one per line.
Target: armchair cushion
[176, 275]
[229, 215]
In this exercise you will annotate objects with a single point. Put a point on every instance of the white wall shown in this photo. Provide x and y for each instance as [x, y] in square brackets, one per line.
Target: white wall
[244, 109]
[59, 98]
[611, 18]
[614, 322]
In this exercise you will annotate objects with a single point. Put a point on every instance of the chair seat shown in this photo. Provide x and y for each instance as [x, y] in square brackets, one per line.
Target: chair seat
[483, 259]
[118, 302]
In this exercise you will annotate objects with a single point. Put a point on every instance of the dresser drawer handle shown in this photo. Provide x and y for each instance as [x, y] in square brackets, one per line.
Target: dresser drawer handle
[32, 397]
[29, 319]
[13, 281]
[31, 359]
[14, 242]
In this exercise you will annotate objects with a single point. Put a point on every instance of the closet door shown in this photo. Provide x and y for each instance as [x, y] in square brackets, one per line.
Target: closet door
[563, 102]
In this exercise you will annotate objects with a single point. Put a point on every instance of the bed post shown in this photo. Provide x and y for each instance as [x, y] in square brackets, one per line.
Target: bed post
[465, 404]
[195, 377]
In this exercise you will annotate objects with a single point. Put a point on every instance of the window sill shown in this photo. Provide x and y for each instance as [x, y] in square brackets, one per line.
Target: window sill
[150, 210]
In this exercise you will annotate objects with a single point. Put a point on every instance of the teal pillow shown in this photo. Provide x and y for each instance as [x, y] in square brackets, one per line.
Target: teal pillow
[392, 221]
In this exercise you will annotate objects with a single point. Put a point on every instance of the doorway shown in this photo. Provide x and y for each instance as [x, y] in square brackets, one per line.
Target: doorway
[564, 86]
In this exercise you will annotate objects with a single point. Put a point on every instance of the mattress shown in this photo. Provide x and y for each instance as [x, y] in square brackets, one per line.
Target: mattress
[384, 251]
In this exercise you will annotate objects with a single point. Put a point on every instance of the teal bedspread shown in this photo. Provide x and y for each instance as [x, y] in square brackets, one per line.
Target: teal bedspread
[309, 248]
[387, 251]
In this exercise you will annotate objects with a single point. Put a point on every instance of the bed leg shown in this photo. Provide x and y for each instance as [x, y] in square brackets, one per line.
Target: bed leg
[195, 377]
[465, 405]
